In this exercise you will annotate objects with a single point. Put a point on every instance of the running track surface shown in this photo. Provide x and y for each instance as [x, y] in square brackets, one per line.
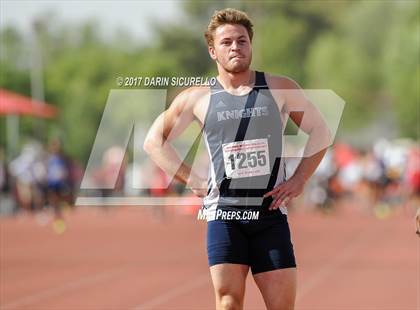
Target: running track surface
[131, 258]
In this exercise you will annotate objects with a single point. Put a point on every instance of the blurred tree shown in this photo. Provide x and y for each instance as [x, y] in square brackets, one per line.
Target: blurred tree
[349, 60]
[401, 68]
[14, 74]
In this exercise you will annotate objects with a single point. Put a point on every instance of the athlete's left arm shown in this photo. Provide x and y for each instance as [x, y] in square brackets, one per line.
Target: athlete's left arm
[307, 117]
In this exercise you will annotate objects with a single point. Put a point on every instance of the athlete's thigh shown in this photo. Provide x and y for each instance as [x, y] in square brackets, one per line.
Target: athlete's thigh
[278, 288]
[229, 279]
[228, 256]
[271, 246]
[226, 243]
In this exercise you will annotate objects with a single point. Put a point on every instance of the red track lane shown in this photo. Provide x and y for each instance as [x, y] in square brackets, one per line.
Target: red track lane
[127, 258]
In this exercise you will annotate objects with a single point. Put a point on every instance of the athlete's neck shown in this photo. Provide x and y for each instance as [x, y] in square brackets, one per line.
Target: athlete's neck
[236, 82]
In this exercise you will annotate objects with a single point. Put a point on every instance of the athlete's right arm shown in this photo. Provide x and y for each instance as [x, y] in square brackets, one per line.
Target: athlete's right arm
[169, 125]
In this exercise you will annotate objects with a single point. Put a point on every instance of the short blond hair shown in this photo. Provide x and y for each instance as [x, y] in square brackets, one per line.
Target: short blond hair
[227, 16]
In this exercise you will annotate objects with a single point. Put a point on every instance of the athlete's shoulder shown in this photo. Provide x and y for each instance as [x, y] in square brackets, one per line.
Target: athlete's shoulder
[192, 95]
[286, 90]
[280, 82]
[196, 91]
[188, 97]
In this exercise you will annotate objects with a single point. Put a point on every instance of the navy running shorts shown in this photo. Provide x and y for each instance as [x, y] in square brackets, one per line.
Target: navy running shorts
[262, 244]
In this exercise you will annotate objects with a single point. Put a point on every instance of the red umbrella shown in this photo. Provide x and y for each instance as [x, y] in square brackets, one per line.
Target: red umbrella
[13, 103]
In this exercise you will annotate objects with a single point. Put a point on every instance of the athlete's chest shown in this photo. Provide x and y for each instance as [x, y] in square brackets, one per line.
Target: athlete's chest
[225, 113]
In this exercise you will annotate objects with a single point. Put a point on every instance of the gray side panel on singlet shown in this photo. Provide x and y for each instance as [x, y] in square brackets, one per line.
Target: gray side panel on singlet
[221, 125]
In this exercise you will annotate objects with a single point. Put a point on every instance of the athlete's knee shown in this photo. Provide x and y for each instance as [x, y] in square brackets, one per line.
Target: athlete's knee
[229, 302]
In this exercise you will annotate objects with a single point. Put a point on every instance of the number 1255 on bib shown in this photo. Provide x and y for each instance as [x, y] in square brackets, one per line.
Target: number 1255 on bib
[246, 158]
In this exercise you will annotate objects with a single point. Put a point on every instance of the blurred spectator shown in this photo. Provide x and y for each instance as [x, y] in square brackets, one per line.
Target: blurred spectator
[321, 188]
[4, 179]
[29, 173]
[109, 176]
[58, 178]
[412, 174]
[6, 202]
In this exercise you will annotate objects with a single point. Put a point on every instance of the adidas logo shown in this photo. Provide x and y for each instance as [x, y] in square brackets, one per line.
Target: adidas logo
[220, 104]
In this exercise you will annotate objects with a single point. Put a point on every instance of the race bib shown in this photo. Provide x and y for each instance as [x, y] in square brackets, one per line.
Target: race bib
[246, 158]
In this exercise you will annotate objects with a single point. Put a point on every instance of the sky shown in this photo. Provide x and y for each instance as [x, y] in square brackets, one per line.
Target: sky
[133, 16]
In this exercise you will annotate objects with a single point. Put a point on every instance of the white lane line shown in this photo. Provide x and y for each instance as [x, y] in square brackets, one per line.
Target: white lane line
[330, 267]
[175, 292]
[36, 297]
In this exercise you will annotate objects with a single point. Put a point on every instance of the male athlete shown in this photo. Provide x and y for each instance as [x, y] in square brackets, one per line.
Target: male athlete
[243, 118]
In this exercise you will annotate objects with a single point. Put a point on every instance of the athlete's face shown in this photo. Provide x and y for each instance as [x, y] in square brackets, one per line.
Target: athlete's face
[232, 48]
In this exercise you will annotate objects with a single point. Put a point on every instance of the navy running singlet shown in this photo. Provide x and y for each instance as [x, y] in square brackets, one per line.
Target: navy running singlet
[244, 139]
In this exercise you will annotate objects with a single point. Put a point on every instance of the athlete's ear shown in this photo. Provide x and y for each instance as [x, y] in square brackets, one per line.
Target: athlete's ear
[212, 52]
